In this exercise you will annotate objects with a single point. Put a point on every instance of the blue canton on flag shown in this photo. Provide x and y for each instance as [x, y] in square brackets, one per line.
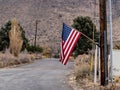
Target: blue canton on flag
[66, 31]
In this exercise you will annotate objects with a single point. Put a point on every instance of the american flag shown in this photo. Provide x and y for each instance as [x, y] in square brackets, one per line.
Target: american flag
[70, 37]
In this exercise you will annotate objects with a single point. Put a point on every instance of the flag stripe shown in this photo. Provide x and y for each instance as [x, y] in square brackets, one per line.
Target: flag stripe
[69, 43]
[66, 59]
[71, 48]
[69, 39]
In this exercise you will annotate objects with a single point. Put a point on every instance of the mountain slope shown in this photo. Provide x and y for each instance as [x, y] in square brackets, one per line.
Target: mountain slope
[51, 14]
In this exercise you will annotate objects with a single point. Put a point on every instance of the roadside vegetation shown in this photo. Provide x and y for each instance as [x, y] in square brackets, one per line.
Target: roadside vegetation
[83, 75]
[14, 46]
[87, 27]
[84, 49]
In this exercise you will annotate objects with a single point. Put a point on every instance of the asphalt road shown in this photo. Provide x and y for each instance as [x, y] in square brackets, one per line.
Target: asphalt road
[39, 75]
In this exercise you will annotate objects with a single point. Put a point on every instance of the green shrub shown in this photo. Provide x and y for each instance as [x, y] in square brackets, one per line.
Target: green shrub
[31, 48]
[86, 26]
[56, 55]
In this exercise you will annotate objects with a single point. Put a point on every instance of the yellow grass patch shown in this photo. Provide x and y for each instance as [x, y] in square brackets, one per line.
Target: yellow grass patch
[7, 59]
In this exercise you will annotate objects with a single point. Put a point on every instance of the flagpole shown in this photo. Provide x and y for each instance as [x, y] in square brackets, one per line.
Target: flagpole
[90, 39]
[99, 66]
[111, 41]
[95, 65]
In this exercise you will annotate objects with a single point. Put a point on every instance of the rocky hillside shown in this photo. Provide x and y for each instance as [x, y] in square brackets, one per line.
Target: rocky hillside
[51, 14]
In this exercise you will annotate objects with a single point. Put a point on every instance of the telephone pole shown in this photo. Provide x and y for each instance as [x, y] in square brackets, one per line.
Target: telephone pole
[35, 32]
[36, 23]
[103, 43]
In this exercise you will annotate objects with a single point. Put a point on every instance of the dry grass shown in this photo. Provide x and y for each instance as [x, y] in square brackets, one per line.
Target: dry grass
[82, 67]
[46, 52]
[8, 59]
[15, 38]
[82, 78]
[117, 46]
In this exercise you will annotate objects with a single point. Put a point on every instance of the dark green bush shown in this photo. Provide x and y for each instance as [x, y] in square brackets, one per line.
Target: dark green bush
[86, 26]
[56, 55]
[31, 48]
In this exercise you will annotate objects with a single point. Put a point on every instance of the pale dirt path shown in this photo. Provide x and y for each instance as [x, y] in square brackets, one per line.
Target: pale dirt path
[40, 75]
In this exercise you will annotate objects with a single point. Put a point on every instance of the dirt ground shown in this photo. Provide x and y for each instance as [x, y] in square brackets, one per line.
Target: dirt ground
[85, 84]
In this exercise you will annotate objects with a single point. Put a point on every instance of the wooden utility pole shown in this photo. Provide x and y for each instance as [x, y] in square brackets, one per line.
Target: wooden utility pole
[36, 23]
[35, 33]
[103, 43]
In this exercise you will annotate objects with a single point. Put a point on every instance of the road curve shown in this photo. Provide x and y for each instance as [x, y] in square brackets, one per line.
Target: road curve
[47, 74]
